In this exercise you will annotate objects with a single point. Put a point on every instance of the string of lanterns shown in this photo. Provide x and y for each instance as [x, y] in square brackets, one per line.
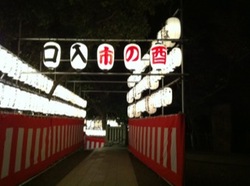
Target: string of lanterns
[15, 97]
[162, 62]
[163, 58]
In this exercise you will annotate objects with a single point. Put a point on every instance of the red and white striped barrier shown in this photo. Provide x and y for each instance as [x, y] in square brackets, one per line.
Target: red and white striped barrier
[159, 143]
[92, 142]
[29, 145]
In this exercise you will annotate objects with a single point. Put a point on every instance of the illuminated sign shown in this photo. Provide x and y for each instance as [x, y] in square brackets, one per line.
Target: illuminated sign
[132, 56]
[52, 55]
[78, 56]
[158, 56]
[105, 56]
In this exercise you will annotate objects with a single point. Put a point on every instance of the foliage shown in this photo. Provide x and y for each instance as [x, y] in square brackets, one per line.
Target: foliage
[97, 19]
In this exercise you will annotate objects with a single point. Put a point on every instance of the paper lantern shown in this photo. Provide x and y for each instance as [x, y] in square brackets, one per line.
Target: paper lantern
[105, 56]
[130, 97]
[173, 30]
[158, 57]
[149, 105]
[176, 56]
[133, 79]
[132, 57]
[78, 56]
[52, 55]
[166, 96]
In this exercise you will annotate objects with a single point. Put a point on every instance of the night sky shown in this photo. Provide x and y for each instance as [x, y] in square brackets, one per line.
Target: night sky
[215, 48]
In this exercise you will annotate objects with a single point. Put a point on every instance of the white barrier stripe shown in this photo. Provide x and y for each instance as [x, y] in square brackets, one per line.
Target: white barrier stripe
[102, 145]
[92, 145]
[76, 134]
[79, 134]
[38, 131]
[173, 151]
[158, 154]
[6, 152]
[58, 138]
[28, 148]
[148, 142]
[66, 137]
[132, 137]
[144, 140]
[49, 144]
[69, 136]
[73, 135]
[165, 145]
[97, 144]
[62, 140]
[138, 138]
[141, 130]
[153, 144]
[54, 140]
[135, 138]
[88, 145]
[19, 149]
[43, 150]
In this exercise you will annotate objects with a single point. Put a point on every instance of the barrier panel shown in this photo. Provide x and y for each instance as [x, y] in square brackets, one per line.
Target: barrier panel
[116, 135]
[92, 142]
[159, 143]
[28, 144]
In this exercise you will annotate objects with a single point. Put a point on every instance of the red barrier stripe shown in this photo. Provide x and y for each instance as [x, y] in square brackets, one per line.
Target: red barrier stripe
[29, 144]
[159, 143]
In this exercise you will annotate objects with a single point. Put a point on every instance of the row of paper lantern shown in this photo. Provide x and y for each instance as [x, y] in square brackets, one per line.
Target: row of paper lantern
[18, 70]
[148, 82]
[162, 97]
[106, 53]
[16, 99]
[151, 81]
[158, 57]
[149, 104]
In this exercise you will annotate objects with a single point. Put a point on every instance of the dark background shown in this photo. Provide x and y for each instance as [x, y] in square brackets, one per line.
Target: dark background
[215, 51]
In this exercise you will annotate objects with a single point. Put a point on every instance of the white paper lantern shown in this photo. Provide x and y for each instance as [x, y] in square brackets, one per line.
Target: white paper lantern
[52, 55]
[176, 55]
[166, 96]
[78, 56]
[132, 57]
[105, 56]
[173, 30]
[158, 57]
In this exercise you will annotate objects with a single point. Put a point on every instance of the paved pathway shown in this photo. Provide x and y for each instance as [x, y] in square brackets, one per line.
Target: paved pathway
[106, 166]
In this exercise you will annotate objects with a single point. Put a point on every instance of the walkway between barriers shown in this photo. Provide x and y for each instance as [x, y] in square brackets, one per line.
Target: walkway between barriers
[105, 166]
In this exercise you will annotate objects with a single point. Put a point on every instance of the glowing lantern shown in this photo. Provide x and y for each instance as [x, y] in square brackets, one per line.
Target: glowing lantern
[166, 96]
[133, 79]
[173, 30]
[52, 55]
[150, 105]
[105, 56]
[132, 57]
[158, 57]
[129, 96]
[176, 56]
[78, 56]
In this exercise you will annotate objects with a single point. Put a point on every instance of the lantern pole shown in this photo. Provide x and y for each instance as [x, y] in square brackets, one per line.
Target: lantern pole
[182, 64]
